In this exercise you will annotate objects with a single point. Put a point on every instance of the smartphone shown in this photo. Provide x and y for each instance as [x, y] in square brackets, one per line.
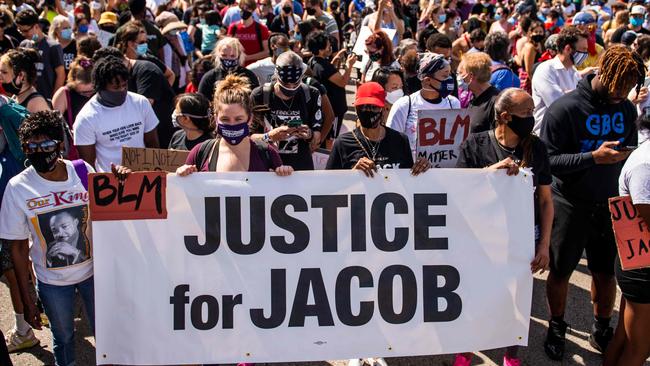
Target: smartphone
[646, 82]
[629, 148]
[295, 123]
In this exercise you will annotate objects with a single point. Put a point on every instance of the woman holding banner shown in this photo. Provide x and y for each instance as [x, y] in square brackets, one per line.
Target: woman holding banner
[630, 346]
[233, 150]
[510, 145]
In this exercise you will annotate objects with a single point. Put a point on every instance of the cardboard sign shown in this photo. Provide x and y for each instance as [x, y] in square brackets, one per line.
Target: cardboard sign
[140, 196]
[141, 159]
[359, 48]
[632, 233]
[440, 134]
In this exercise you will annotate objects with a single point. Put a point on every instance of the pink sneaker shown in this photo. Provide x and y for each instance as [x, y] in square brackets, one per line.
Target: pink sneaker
[507, 361]
[463, 359]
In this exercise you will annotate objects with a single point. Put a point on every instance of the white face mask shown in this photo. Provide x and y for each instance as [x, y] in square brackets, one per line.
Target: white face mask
[392, 97]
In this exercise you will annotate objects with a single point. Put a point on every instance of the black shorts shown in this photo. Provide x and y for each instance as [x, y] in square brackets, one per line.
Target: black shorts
[5, 257]
[634, 284]
[578, 228]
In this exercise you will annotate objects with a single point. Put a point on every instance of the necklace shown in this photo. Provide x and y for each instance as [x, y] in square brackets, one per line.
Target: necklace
[509, 151]
[374, 148]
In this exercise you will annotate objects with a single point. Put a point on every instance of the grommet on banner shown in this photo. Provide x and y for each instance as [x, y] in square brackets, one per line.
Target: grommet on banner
[248, 354]
[386, 177]
[104, 356]
[390, 348]
[246, 179]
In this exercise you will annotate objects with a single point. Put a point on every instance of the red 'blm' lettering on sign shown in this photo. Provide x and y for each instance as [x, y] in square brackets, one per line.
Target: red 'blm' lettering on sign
[140, 196]
[432, 132]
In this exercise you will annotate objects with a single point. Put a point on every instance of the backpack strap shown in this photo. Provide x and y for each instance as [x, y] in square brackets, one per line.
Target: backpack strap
[258, 31]
[303, 106]
[204, 153]
[267, 90]
[408, 114]
[82, 171]
[69, 105]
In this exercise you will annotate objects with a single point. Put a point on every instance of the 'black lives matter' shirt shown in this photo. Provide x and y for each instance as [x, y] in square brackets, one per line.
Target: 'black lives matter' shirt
[394, 151]
[294, 152]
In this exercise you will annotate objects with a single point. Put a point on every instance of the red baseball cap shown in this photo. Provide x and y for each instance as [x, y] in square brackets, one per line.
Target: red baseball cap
[370, 93]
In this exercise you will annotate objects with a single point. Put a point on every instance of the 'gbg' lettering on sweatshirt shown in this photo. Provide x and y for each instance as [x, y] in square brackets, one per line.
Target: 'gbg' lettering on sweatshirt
[573, 127]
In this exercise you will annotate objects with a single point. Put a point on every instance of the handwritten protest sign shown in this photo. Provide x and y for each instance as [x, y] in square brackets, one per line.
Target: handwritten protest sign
[141, 196]
[243, 270]
[141, 159]
[440, 133]
[632, 233]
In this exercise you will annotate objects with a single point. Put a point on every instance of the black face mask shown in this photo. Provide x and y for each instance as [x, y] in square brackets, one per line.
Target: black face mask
[522, 126]
[245, 14]
[43, 162]
[369, 118]
[288, 92]
[537, 38]
[111, 98]
[287, 9]
[12, 88]
[311, 11]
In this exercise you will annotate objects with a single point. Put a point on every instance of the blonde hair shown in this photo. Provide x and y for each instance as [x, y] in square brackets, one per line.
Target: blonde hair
[56, 25]
[478, 64]
[234, 89]
[81, 70]
[228, 42]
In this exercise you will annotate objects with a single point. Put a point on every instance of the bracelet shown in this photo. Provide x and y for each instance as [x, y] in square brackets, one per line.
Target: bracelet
[266, 137]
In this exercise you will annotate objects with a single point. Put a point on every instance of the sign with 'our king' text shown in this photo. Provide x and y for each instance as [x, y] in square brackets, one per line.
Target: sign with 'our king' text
[252, 267]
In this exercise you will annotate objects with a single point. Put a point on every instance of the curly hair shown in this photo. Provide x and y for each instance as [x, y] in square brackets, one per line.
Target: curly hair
[569, 35]
[44, 123]
[22, 60]
[108, 70]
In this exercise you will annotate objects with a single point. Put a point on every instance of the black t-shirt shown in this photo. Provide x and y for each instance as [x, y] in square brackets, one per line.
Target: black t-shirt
[7, 43]
[280, 24]
[322, 70]
[480, 9]
[210, 79]
[479, 152]
[69, 53]
[393, 151]
[294, 152]
[424, 35]
[77, 102]
[147, 80]
[179, 141]
[481, 110]
[51, 58]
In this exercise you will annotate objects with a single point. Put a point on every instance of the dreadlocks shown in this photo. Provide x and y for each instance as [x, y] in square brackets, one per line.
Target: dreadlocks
[621, 68]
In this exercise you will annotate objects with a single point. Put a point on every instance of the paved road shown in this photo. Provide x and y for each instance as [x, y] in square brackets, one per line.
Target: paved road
[578, 316]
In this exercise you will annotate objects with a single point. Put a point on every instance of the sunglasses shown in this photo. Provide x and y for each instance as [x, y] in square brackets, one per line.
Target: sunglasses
[44, 146]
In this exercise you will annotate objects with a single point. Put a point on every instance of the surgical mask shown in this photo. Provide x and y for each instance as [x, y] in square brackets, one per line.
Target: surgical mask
[43, 162]
[233, 134]
[442, 18]
[375, 56]
[579, 57]
[66, 34]
[12, 88]
[298, 37]
[177, 124]
[537, 38]
[636, 22]
[462, 84]
[111, 99]
[83, 28]
[245, 14]
[522, 126]
[141, 49]
[369, 118]
[289, 92]
[229, 63]
[545, 11]
[497, 17]
[392, 97]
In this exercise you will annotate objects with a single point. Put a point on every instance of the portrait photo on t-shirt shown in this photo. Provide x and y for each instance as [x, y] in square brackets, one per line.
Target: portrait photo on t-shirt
[64, 231]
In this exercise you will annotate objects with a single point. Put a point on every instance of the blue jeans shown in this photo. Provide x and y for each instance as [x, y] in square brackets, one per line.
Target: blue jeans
[58, 302]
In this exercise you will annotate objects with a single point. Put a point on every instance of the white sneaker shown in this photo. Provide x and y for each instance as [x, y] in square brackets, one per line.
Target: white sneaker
[377, 361]
[354, 362]
[17, 342]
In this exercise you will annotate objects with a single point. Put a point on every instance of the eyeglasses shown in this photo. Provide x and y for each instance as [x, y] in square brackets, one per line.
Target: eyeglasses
[25, 30]
[46, 146]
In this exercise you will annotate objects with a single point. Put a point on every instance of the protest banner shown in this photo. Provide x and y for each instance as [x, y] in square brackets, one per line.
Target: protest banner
[440, 134]
[252, 267]
[142, 196]
[320, 157]
[359, 48]
[632, 233]
[141, 159]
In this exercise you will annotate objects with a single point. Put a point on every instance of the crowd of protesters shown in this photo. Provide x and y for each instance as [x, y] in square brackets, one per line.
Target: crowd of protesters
[555, 86]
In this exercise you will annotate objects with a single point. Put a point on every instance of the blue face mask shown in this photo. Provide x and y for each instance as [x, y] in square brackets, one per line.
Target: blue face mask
[298, 37]
[636, 22]
[497, 17]
[442, 18]
[142, 49]
[66, 34]
[83, 28]
[446, 87]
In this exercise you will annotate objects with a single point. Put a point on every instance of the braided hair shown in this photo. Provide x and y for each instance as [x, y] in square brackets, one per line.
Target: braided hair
[621, 68]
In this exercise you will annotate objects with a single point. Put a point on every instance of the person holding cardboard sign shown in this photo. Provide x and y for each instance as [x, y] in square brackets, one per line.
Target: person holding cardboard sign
[630, 346]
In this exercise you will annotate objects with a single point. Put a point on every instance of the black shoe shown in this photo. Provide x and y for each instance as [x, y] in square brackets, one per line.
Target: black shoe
[599, 338]
[555, 339]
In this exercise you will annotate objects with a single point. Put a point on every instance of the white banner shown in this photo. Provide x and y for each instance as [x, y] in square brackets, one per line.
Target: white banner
[251, 267]
[440, 133]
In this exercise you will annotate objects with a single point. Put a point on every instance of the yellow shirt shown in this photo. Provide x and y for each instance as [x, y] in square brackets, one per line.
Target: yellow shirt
[592, 60]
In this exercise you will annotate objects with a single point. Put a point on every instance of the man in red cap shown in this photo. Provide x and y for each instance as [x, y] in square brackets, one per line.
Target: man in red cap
[372, 145]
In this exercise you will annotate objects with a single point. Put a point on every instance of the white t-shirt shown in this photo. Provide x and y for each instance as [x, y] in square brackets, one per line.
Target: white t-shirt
[111, 128]
[635, 176]
[54, 215]
[551, 81]
[263, 69]
[399, 121]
